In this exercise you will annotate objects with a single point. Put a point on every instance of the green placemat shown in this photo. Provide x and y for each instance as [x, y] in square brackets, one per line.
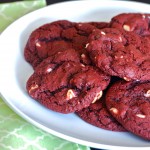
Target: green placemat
[12, 11]
[15, 132]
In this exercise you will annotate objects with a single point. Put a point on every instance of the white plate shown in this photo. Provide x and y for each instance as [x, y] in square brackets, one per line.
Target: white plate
[14, 72]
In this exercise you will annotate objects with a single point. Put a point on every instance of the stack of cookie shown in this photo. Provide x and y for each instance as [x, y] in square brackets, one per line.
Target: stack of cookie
[99, 70]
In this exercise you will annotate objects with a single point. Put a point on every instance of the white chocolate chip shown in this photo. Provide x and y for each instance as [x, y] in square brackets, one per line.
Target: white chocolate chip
[143, 16]
[147, 94]
[127, 79]
[79, 24]
[119, 57]
[103, 33]
[82, 65]
[38, 44]
[114, 110]
[95, 99]
[98, 96]
[86, 45]
[83, 56]
[70, 94]
[126, 28]
[49, 70]
[33, 87]
[120, 39]
[140, 115]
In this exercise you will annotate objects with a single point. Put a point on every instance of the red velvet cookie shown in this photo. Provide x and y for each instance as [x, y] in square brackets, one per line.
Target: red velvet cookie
[120, 53]
[137, 22]
[63, 84]
[98, 115]
[58, 36]
[100, 25]
[129, 103]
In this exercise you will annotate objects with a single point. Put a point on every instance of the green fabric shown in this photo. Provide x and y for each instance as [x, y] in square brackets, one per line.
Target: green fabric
[12, 11]
[15, 132]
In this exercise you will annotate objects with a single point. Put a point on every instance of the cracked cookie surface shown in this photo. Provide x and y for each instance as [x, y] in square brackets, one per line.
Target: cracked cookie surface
[58, 36]
[136, 22]
[63, 84]
[120, 53]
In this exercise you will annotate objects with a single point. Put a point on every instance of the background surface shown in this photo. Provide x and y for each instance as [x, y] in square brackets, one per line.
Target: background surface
[55, 1]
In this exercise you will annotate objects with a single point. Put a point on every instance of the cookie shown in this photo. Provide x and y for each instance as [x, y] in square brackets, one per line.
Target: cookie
[120, 53]
[64, 84]
[98, 115]
[129, 103]
[136, 22]
[58, 36]
[100, 25]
